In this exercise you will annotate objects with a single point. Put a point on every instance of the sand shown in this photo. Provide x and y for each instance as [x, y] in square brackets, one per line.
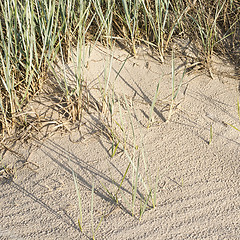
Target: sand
[198, 192]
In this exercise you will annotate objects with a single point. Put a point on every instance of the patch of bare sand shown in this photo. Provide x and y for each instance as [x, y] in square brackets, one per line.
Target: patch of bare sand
[198, 191]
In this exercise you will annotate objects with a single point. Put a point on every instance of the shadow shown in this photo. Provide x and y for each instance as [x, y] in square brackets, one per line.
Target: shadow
[198, 127]
[231, 53]
[54, 148]
[85, 167]
[140, 195]
[214, 104]
[66, 218]
[146, 98]
[143, 96]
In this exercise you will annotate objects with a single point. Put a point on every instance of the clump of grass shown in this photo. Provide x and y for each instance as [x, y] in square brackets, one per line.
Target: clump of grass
[80, 220]
[163, 19]
[33, 33]
[208, 29]
[131, 18]
[135, 161]
[138, 178]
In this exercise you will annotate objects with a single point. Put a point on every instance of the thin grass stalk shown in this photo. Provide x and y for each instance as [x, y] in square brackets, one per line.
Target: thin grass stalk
[238, 129]
[94, 230]
[130, 119]
[174, 91]
[80, 220]
[135, 169]
[149, 182]
[207, 28]
[238, 112]
[135, 185]
[125, 201]
[121, 124]
[132, 22]
[143, 208]
[4, 122]
[7, 80]
[150, 120]
[162, 8]
[66, 90]
[47, 27]
[173, 88]
[158, 22]
[30, 43]
[81, 43]
[173, 28]
[106, 19]
[104, 88]
[108, 191]
[120, 185]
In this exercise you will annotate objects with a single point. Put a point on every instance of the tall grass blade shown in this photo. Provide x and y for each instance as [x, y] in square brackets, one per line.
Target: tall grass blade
[135, 169]
[174, 91]
[134, 187]
[120, 185]
[80, 220]
[153, 105]
[143, 208]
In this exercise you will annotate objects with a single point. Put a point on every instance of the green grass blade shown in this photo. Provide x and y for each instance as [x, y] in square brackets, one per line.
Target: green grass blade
[120, 185]
[142, 209]
[134, 194]
[80, 221]
[153, 105]
[135, 169]
[115, 149]
[233, 127]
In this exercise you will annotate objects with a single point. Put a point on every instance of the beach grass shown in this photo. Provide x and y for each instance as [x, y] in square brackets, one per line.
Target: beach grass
[34, 33]
[37, 33]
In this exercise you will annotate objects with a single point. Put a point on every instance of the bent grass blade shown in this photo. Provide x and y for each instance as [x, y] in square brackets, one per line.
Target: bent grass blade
[120, 185]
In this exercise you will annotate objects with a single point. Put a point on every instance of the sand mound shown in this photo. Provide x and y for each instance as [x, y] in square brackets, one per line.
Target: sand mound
[198, 189]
